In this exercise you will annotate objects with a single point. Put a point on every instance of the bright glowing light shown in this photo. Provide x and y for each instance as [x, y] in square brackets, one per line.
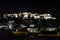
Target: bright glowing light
[23, 26]
[51, 29]
[25, 16]
[25, 13]
[8, 14]
[32, 25]
[33, 30]
[16, 15]
[16, 30]
[53, 18]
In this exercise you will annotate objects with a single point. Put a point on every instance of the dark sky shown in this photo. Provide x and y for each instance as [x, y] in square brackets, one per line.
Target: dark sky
[44, 6]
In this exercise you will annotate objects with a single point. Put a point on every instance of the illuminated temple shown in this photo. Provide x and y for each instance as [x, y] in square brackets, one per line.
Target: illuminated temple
[30, 23]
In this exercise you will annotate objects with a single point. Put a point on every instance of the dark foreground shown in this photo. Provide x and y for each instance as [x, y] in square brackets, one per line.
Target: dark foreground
[7, 35]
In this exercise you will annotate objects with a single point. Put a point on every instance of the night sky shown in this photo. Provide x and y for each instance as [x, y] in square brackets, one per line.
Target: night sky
[35, 6]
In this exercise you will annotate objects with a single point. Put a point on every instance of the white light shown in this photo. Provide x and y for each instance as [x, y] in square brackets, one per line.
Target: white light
[32, 25]
[16, 30]
[25, 13]
[8, 14]
[23, 26]
[25, 16]
[16, 15]
[20, 15]
[10, 26]
[33, 30]
[30, 30]
[51, 29]
[54, 18]
[4, 16]
[1, 26]
[11, 22]
[47, 17]
[37, 17]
